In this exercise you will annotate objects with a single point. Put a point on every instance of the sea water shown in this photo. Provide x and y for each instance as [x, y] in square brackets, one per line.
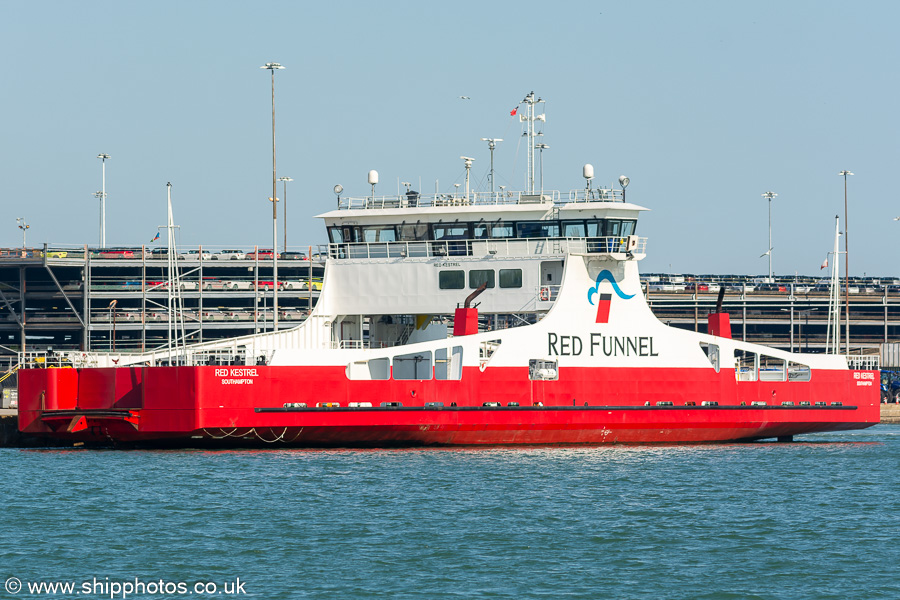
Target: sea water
[817, 518]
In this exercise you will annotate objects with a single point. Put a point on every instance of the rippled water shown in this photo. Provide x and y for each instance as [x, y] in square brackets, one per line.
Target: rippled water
[815, 519]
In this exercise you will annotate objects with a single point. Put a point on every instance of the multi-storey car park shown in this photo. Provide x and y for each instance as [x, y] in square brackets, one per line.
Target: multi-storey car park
[118, 299]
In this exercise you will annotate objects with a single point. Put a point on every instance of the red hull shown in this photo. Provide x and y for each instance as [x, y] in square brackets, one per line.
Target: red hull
[186, 405]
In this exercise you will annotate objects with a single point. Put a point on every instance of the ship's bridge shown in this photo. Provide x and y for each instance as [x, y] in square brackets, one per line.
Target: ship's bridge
[586, 221]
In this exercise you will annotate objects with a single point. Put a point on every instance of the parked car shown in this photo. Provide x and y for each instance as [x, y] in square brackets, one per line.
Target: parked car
[292, 256]
[117, 253]
[261, 254]
[163, 253]
[198, 255]
[239, 285]
[229, 255]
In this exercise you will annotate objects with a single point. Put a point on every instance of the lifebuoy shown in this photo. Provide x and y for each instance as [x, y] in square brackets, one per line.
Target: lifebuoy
[545, 294]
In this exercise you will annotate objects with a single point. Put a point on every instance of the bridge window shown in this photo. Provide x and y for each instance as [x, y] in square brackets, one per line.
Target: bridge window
[537, 229]
[452, 280]
[414, 232]
[510, 278]
[336, 235]
[574, 229]
[450, 231]
[478, 276]
[378, 233]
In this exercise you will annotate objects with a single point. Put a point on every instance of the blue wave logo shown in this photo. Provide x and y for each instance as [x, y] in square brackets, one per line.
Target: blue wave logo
[606, 275]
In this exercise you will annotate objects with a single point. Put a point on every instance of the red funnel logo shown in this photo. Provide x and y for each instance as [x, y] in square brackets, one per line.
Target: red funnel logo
[603, 303]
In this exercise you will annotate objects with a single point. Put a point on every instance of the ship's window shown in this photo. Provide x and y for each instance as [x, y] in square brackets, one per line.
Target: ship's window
[628, 227]
[479, 276]
[574, 229]
[510, 278]
[595, 228]
[487, 349]
[336, 235]
[377, 368]
[414, 232]
[413, 366]
[798, 372]
[771, 368]
[452, 280]
[542, 370]
[481, 231]
[712, 353]
[450, 231]
[378, 233]
[538, 229]
[745, 365]
[503, 230]
[613, 228]
[447, 364]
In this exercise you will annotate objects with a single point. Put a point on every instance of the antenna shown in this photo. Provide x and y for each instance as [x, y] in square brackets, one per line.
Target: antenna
[587, 171]
[468, 162]
[492, 143]
[373, 179]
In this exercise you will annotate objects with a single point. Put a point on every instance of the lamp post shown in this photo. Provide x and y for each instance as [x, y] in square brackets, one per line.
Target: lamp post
[24, 227]
[284, 181]
[769, 196]
[492, 143]
[272, 66]
[542, 147]
[102, 195]
[846, 265]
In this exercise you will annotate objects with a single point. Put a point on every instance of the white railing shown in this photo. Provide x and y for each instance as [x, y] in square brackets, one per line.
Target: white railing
[486, 247]
[868, 362]
[596, 195]
[415, 200]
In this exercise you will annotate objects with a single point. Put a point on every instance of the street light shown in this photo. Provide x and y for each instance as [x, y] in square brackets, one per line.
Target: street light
[542, 147]
[272, 66]
[769, 196]
[102, 195]
[846, 264]
[492, 143]
[284, 181]
[24, 227]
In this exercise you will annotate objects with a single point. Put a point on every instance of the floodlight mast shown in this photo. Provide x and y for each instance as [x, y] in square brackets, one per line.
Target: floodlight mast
[102, 195]
[769, 196]
[272, 67]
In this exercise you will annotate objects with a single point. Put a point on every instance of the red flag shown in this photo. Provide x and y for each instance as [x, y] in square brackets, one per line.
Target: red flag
[824, 264]
[513, 112]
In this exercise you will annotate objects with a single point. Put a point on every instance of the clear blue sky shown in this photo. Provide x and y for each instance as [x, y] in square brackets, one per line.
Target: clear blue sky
[704, 105]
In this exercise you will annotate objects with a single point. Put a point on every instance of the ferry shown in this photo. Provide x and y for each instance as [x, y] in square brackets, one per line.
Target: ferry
[483, 317]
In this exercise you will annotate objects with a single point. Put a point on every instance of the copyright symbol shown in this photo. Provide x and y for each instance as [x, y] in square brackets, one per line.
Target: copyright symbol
[13, 585]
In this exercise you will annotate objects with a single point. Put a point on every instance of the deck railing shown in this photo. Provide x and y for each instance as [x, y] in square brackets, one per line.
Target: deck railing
[486, 247]
[416, 200]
